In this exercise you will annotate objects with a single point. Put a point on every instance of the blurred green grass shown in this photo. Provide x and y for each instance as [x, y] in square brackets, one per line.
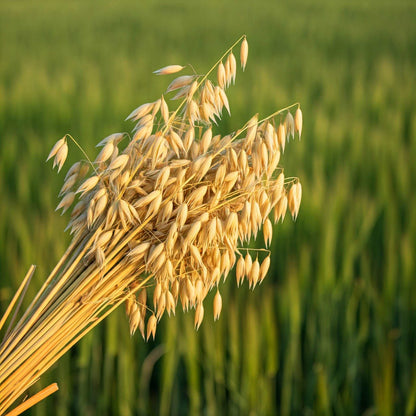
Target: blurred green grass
[331, 330]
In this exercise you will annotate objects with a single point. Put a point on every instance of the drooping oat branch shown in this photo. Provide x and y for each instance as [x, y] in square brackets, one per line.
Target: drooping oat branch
[162, 217]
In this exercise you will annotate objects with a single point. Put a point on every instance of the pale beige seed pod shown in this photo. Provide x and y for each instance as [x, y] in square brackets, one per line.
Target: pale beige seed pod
[180, 82]
[278, 188]
[298, 121]
[189, 139]
[196, 255]
[264, 205]
[170, 303]
[268, 137]
[199, 315]
[240, 270]
[281, 136]
[294, 198]
[66, 202]
[291, 199]
[88, 185]
[224, 100]
[233, 67]
[61, 156]
[100, 206]
[146, 200]
[264, 156]
[158, 265]
[161, 306]
[183, 295]
[139, 251]
[244, 53]
[162, 178]
[193, 112]
[221, 75]
[204, 168]
[298, 195]
[182, 92]
[196, 196]
[206, 140]
[169, 269]
[251, 134]
[155, 252]
[231, 226]
[119, 162]
[206, 111]
[290, 125]
[170, 69]
[57, 146]
[254, 273]
[175, 286]
[248, 262]
[225, 263]
[211, 230]
[199, 291]
[171, 238]
[273, 163]
[190, 291]
[232, 159]
[165, 213]
[157, 293]
[68, 184]
[264, 268]
[192, 90]
[135, 318]
[217, 305]
[103, 238]
[73, 170]
[105, 153]
[156, 107]
[78, 208]
[151, 327]
[281, 208]
[139, 112]
[176, 140]
[267, 232]
[115, 138]
[192, 233]
[164, 109]
[216, 275]
[182, 215]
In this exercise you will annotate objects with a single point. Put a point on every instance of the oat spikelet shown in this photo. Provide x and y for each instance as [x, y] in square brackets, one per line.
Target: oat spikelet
[217, 305]
[244, 53]
[199, 315]
[298, 121]
[170, 69]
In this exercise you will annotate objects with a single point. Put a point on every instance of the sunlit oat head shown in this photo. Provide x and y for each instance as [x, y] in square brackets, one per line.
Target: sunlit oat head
[159, 217]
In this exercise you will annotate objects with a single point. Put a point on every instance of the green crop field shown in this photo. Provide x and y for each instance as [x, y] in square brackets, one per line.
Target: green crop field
[332, 329]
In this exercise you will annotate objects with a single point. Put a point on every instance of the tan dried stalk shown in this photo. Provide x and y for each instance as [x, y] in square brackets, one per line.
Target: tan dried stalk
[165, 213]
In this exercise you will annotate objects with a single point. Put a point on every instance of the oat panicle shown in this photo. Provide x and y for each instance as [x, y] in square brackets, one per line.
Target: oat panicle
[159, 218]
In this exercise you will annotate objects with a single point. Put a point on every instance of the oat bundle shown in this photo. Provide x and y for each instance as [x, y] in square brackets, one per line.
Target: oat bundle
[158, 218]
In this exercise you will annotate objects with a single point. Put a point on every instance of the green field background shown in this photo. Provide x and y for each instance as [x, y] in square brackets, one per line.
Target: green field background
[332, 330]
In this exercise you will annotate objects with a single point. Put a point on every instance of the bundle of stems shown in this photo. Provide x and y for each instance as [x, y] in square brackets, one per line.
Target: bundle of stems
[163, 215]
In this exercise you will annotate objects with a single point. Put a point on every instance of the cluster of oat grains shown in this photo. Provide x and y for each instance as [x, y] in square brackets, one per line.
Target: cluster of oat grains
[182, 198]
[158, 218]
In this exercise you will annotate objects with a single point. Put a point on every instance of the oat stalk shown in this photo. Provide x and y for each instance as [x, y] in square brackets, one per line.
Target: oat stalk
[158, 221]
